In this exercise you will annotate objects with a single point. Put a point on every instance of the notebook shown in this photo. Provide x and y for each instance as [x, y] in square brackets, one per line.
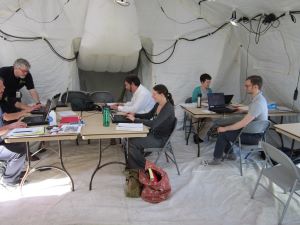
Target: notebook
[38, 119]
[42, 110]
[216, 103]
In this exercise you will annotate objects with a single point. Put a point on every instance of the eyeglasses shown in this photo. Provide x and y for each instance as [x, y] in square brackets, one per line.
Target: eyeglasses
[24, 71]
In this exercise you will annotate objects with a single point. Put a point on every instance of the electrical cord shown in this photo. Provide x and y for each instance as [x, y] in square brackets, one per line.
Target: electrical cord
[15, 38]
[174, 20]
[173, 46]
[39, 21]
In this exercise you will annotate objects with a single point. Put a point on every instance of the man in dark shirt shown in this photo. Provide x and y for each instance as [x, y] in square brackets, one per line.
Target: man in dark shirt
[16, 77]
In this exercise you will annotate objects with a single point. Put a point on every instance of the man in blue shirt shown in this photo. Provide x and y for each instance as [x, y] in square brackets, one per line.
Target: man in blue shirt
[258, 110]
[203, 89]
[13, 154]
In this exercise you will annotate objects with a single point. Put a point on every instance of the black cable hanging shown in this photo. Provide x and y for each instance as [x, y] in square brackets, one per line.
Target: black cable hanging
[22, 38]
[38, 21]
[173, 46]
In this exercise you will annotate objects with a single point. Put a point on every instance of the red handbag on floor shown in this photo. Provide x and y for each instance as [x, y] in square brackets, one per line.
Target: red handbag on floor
[156, 188]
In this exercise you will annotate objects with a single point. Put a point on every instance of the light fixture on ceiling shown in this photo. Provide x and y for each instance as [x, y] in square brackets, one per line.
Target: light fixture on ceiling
[122, 2]
[233, 19]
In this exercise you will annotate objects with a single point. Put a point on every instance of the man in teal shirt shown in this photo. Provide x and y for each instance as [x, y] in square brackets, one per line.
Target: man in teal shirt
[203, 89]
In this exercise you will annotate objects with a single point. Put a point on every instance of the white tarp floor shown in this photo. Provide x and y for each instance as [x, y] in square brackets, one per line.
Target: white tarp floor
[200, 195]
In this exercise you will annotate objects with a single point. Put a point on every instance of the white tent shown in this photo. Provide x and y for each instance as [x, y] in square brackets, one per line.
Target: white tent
[166, 41]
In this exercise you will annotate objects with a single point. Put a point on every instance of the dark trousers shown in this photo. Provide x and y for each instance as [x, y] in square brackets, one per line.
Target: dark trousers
[14, 155]
[224, 140]
[136, 159]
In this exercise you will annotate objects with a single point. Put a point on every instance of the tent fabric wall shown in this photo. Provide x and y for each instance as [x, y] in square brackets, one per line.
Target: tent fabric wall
[225, 55]
[110, 41]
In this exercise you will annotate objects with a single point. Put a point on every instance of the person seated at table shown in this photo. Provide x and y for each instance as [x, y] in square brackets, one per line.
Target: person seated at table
[258, 110]
[13, 154]
[203, 89]
[141, 101]
[160, 120]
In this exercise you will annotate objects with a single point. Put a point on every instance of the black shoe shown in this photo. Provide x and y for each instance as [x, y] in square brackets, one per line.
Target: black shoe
[34, 158]
[197, 140]
[146, 154]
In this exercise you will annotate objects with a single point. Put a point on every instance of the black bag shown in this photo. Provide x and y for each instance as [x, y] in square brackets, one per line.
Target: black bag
[80, 104]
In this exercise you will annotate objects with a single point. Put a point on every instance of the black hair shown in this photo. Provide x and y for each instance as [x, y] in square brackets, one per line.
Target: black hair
[133, 79]
[162, 89]
[204, 77]
[256, 80]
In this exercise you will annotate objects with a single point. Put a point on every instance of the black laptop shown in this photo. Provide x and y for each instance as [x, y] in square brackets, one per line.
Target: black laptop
[42, 110]
[38, 119]
[216, 103]
[119, 118]
[228, 99]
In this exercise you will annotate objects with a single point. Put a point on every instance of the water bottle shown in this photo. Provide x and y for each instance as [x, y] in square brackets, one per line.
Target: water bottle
[52, 118]
[106, 116]
[199, 100]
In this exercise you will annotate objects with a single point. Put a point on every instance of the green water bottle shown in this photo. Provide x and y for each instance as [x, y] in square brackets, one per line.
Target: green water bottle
[106, 119]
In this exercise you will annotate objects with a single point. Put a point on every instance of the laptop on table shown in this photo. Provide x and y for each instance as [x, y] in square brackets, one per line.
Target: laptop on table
[216, 103]
[228, 99]
[38, 119]
[115, 118]
[42, 110]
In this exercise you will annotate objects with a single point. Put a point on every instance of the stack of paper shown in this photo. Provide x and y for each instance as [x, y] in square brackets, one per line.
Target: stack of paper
[130, 126]
[70, 128]
[32, 131]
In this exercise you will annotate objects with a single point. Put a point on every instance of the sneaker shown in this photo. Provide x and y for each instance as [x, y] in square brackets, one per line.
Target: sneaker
[231, 156]
[214, 162]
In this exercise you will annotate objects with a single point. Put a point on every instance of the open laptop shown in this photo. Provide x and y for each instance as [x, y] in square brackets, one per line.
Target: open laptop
[228, 99]
[38, 119]
[216, 103]
[115, 118]
[42, 110]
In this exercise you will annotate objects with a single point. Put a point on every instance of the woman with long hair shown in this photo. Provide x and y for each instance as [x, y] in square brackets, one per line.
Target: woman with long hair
[160, 120]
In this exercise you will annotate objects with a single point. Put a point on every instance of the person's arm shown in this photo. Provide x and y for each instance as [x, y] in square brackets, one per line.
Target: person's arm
[4, 129]
[195, 94]
[147, 115]
[26, 107]
[161, 117]
[35, 96]
[134, 105]
[238, 125]
[14, 116]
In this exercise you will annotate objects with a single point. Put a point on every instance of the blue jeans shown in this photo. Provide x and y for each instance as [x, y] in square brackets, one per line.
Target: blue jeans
[15, 161]
[224, 140]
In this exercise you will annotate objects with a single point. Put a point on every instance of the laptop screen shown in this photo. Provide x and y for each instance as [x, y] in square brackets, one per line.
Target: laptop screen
[54, 100]
[47, 108]
[216, 100]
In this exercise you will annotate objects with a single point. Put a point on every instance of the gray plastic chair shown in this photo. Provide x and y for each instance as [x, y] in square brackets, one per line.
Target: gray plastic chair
[167, 149]
[102, 97]
[255, 127]
[285, 174]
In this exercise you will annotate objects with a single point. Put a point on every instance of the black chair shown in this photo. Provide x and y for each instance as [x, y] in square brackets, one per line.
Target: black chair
[167, 149]
[101, 97]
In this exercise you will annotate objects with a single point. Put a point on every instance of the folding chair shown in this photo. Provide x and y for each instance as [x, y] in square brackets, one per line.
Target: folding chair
[284, 174]
[255, 127]
[185, 116]
[102, 97]
[167, 149]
